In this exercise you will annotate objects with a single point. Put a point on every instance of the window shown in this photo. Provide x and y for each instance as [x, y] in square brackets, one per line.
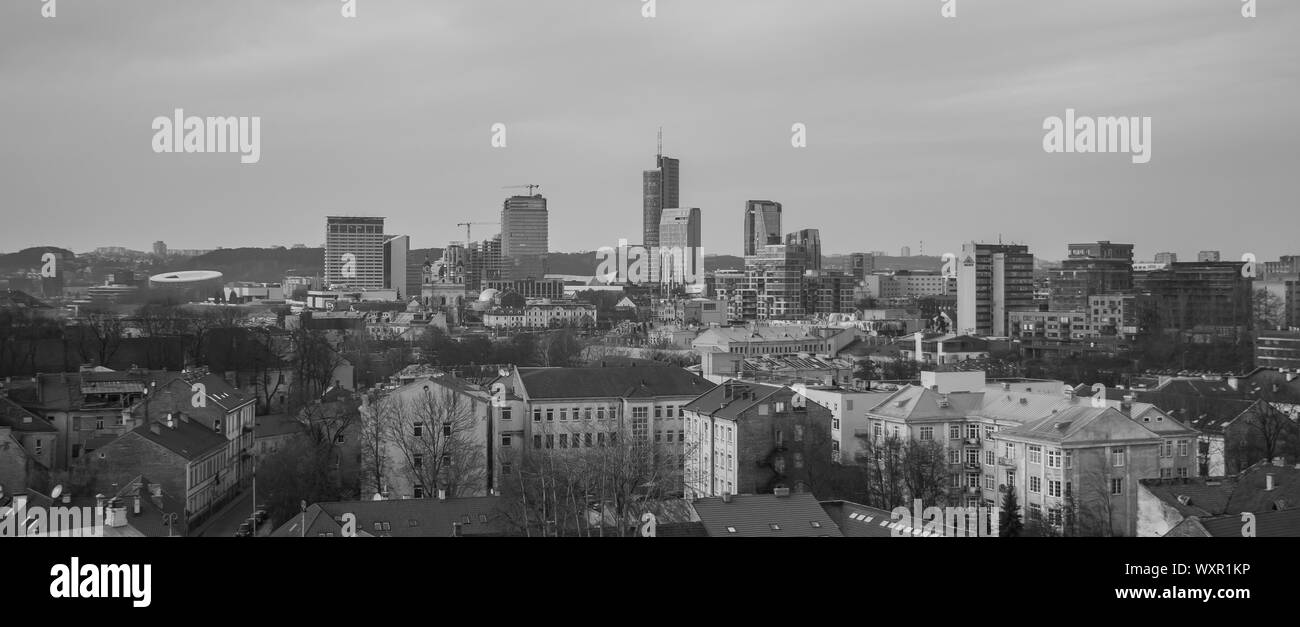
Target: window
[988, 482]
[927, 434]
[1182, 448]
[564, 440]
[1010, 450]
[1035, 454]
[586, 440]
[972, 456]
[954, 432]
[1166, 473]
[954, 456]
[972, 431]
[1182, 473]
[586, 413]
[1117, 486]
[835, 423]
[1035, 511]
[1035, 485]
[1053, 458]
[418, 429]
[779, 465]
[1167, 448]
[600, 438]
[659, 411]
[550, 440]
[1054, 488]
[990, 458]
[550, 415]
[505, 413]
[575, 413]
[446, 459]
[877, 429]
[537, 441]
[505, 440]
[99, 423]
[798, 459]
[1011, 479]
[1117, 456]
[798, 433]
[600, 413]
[973, 480]
[339, 438]
[659, 435]
[419, 494]
[446, 429]
[417, 460]
[1069, 459]
[537, 414]
[670, 436]
[564, 413]
[989, 430]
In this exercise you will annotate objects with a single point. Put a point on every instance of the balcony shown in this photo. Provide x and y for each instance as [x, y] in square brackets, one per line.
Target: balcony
[972, 441]
[974, 466]
[972, 490]
[1007, 461]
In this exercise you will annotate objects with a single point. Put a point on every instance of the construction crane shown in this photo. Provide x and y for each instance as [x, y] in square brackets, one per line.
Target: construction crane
[469, 224]
[530, 187]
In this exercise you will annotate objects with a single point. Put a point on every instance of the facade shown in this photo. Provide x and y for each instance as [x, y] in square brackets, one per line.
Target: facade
[1049, 325]
[401, 269]
[761, 339]
[828, 292]
[1211, 296]
[524, 237]
[775, 273]
[762, 225]
[1090, 269]
[992, 280]
[1278, 349]
[679, 232]
[483, 262]
[529, 288]
[1166, 258]
[862, 264]
[810, 240]
[542, 316]
[754, 438]
[354, 252]
[1207, 255]
[660, 189]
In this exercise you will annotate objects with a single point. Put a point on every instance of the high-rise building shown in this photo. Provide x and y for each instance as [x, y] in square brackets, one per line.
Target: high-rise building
[679, 238]
[1207, 255]
[402, 271]
[905, 251]
[811, 241]
[1198, 296]
[524, 237]
[762, 225]
[776, 276]
[354, 252]
[992, 279]
[1166, 258]
[659, 191]
[482, 262]
[160, 249]
[1093, 268]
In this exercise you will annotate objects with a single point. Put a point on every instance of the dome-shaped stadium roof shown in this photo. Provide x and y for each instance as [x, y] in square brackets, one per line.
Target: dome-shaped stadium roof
[186, 276]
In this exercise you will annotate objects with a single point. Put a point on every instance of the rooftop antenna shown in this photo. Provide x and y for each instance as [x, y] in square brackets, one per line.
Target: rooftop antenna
[659, 155]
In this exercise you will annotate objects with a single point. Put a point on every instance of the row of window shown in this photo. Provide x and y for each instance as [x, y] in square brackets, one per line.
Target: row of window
[600, 412]
[579, 440]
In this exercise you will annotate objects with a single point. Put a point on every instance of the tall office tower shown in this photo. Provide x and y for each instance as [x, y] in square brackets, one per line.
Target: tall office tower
[160, 249]
[679, 245]
[1166, 258]
[1211, 296]
[775, 273]
[482, 263]
[354, 252]
[524, 237]
[861, 264]
[992, 279]
[659, 191]
[811, 241]
[1207, 255]
[1091, 269]
[762, 225]
[396, 253]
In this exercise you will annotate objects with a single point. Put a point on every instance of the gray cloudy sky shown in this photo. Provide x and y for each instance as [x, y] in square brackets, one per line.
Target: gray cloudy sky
[919, 127]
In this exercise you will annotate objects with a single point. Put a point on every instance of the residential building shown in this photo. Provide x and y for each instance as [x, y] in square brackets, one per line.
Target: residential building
[1166, 258]
[810, 241]
[755, 438]
[1090, 269]
[27, 446]
[775, 274]
[992, 281]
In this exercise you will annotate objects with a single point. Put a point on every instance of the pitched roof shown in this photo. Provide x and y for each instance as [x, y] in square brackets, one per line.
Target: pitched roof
[1245, 492]
[21, 420]
[732, 398]
[273, 425]
[766, 516]
[859, 521]
[1274, 524]
[621, 382]
[186, 438]
[409, 518]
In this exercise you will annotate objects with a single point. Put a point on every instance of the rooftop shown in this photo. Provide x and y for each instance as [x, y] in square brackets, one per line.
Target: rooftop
[619, 382]
[766, 516]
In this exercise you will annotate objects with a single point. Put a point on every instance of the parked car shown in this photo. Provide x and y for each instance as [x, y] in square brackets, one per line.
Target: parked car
[245, 530]
[259, 516]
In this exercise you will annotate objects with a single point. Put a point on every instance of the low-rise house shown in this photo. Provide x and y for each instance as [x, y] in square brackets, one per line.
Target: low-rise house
[27, 444]
[1164, 504]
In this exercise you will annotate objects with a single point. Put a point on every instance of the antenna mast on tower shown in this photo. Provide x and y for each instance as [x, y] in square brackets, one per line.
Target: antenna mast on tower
[659, 154]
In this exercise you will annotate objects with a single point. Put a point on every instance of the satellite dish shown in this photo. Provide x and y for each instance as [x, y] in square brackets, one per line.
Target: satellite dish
[57, 491]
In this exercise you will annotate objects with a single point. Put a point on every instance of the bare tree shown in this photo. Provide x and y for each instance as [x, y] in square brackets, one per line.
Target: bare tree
[100, 334]
[925, 470]
[435, 436]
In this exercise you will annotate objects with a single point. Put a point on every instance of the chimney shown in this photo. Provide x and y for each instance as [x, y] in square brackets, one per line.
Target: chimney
[135, 507]
[442, 494]
[171, 421]
[726, 497]
[781, 492]
[1126, 405]
[1268, 482]
[100, 499]
[919, 359]
[115, 516]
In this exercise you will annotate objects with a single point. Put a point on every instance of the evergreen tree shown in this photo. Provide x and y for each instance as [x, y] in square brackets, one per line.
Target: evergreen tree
[1010, 524]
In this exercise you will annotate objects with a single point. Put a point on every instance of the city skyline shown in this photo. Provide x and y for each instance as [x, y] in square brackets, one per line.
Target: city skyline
[950, 138]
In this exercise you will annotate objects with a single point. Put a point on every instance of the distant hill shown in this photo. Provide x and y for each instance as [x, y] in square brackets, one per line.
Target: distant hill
[30, 258]
[263, 265]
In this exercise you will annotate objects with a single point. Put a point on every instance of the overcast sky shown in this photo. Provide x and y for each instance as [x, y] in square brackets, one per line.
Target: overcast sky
[919, 128]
